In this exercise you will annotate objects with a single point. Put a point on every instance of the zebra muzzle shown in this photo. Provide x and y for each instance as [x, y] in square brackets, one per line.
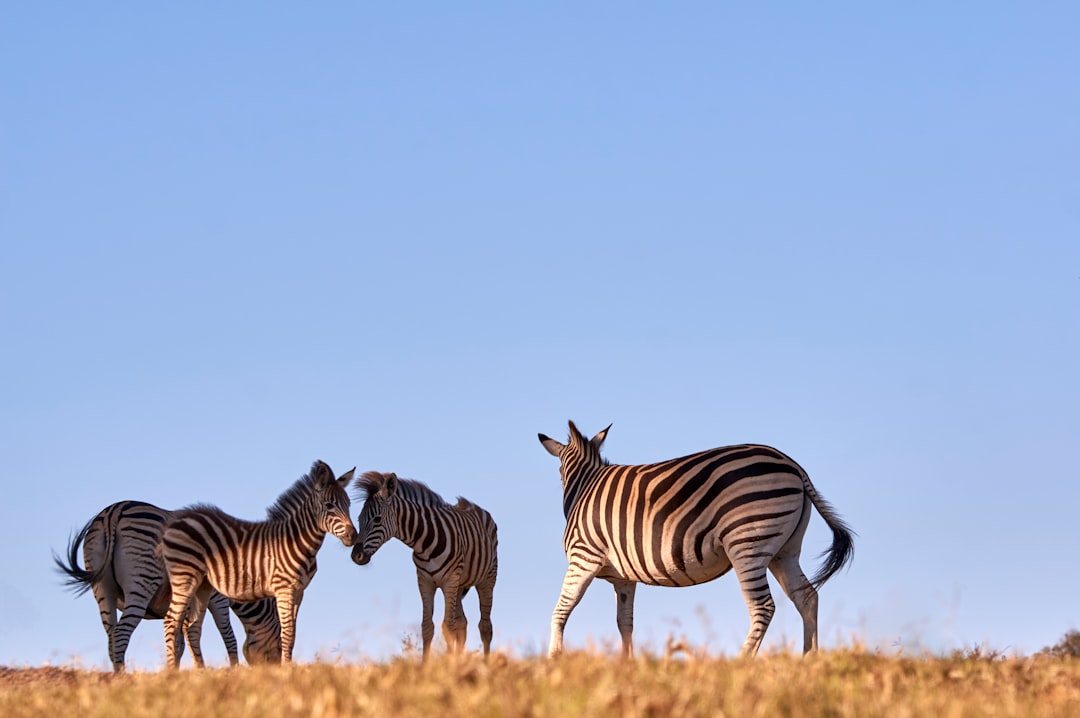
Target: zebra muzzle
[359, 557]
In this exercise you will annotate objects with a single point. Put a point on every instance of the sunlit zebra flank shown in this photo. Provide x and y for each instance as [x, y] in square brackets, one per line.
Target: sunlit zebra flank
[455, 547]
[204, 548]
[124, 574]
[687, 521]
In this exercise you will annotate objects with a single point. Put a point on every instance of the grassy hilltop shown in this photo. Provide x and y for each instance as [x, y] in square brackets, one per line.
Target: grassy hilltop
[837, 683]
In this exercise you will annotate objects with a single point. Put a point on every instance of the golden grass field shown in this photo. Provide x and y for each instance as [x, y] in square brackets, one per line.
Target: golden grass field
[833, 683]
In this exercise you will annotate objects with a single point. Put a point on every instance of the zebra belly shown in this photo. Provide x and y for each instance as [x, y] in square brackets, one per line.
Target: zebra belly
[241, 587]
[671, 570]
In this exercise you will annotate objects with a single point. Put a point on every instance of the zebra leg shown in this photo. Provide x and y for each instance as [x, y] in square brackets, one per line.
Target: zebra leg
[130, 617]
[105, 593]
[759, 601]
[789, 574]
[193, 623]
[624, 614]
[288, 605]
[219, 609]
[485, 594]
[182, 590]
[578, 576]
[427, 598]
[454, 621]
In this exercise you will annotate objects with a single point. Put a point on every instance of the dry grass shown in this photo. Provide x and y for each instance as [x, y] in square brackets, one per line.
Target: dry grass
[838, 683]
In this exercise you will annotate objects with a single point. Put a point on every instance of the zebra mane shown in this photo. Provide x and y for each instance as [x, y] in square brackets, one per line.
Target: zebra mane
[291, 499]
[464, 505]
[415, 492]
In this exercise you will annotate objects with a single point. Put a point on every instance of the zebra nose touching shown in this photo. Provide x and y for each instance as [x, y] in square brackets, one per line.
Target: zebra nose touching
[359, 557]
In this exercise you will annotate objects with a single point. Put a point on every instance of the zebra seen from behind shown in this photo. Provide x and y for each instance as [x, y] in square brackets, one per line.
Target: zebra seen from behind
[687, 521]
[124, 573]
[206, 549]
[455, 547]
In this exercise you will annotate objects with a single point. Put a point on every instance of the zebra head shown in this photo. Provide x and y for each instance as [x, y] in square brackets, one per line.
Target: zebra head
[378, 519]
[578, 458]
[331, 502]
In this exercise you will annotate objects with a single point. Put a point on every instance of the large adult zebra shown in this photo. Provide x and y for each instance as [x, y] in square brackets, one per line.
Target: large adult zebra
[124, 574]
[687, 521]
[455, 547]
[204, 548]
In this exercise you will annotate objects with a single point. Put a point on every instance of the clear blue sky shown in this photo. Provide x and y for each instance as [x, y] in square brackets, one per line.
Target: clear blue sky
[240, 238]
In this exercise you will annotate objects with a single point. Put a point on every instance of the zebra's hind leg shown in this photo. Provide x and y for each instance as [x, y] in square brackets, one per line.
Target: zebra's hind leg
[182, 590]
[219, 609]
[624, 614]
[795, 584]
[131, 616]
[193, 623]
[485, 594]
[754, 582]
[105, 593]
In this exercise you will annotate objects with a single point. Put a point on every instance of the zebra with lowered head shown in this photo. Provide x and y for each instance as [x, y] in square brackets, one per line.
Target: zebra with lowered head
[124, 574]
[687, 521]
[455, 547]
[206, 549]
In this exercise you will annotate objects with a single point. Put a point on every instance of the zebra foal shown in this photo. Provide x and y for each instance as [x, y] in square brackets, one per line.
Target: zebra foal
[124, 574]
[455, 547]
[204, 548]
[687, 521]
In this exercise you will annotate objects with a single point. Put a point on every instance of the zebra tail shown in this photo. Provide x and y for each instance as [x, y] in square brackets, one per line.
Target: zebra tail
[842, 550]
[78, 579]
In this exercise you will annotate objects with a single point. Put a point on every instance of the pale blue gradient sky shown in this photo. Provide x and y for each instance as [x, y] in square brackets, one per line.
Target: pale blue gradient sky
[237, 239]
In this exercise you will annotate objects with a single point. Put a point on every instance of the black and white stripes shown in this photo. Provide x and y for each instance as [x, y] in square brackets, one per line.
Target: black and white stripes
[687, 521]
[455, 547]
[124, 573]
[204, 547]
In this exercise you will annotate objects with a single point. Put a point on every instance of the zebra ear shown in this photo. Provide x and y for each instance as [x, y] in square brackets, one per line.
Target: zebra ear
[553, 447]
[599, 438]
[390, 485]
[344, 479]
[322, 473]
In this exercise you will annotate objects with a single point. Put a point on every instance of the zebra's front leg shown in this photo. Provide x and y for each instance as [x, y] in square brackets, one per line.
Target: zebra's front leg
[288, 605]
[454, 621]
[427, 598]
[578, 576]
[624, 614]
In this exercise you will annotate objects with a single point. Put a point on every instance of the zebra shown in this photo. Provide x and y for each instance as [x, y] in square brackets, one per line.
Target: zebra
[687, 521]
[123, 573]
[263, 629]
[454, 548]
[204, 548]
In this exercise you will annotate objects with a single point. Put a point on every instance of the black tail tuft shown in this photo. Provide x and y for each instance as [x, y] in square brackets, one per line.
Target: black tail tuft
[839, 554]
[78, 579]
